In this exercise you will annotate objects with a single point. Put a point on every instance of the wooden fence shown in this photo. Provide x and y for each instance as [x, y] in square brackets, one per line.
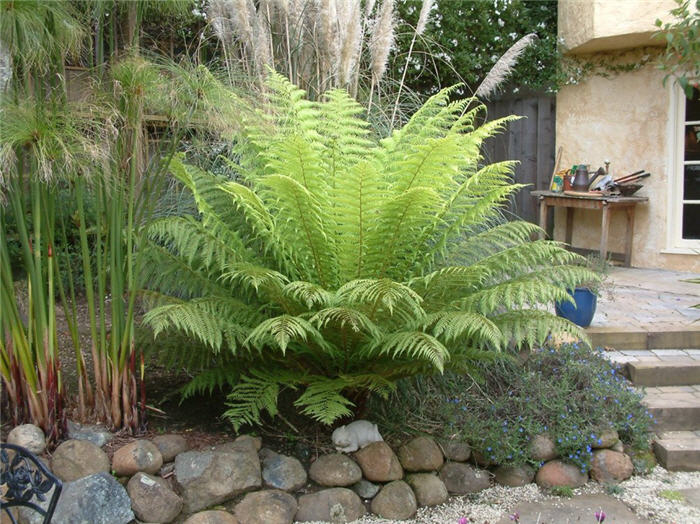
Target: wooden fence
[529, 140]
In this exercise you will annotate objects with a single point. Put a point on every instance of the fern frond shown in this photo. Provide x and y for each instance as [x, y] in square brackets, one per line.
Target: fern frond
[532, 327]
[254, 394]
[345, 316]
[309, 294]
[413, 345]
[453, 325]
[322, 400]
[280, 331]
[383, 295]
[210, 379]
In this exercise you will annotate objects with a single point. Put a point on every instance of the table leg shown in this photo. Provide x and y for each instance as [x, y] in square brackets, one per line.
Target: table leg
[630, 235]
[543, 217]
[605, 225]
[569, 224]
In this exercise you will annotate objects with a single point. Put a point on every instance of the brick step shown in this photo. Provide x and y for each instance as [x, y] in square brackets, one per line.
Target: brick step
[635, 338]
[675, 408]
[682, 371]
[678, 450]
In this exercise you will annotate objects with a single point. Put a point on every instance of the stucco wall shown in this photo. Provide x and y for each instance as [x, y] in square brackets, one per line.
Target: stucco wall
[624, 119]
[587, 26]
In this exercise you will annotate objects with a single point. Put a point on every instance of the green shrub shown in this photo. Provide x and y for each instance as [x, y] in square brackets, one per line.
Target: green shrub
[571, 393]
[336, 263]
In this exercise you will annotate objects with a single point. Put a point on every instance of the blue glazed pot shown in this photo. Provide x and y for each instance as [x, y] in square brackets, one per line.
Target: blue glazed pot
[582, 313]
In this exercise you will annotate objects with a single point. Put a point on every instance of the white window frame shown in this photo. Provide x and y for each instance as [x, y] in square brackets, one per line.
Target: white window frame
[674, 231]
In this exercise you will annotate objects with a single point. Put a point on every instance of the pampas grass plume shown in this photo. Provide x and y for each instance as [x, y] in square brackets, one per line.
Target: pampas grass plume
[382, 39]
[423, 17]
[504, 66]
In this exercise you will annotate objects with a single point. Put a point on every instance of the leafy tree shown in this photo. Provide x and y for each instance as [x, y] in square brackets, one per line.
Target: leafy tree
[681, 61]
[465, 38]
[340, 263]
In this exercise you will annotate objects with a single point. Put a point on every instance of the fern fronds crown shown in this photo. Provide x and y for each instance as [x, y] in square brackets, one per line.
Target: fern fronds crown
[335, 263]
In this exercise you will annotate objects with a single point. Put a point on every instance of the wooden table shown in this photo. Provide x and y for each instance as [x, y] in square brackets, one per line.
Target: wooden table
[549, 199]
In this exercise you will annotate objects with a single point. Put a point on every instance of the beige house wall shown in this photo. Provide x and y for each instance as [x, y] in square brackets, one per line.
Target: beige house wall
[587, 26]
[625, 119]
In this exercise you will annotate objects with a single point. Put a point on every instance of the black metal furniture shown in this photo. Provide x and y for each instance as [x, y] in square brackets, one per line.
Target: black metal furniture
[24, 480]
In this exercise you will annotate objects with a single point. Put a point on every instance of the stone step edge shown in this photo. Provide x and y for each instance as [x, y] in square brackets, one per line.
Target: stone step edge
[678, 454]
[621, 338]
[683, 371]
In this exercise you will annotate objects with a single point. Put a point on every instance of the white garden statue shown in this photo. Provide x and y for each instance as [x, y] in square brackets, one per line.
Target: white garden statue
[355, 435]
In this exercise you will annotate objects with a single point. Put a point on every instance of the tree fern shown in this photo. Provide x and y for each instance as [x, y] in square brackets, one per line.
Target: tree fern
[336, 263]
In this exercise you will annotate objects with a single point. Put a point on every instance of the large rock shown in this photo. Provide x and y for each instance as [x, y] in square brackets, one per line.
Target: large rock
[98, 435]
[256, 442]
[75, 459]
[542, 448]
[270, 506]
[429, 489]
[28, 436]
[461, 478]
[139, 455]
[514, 476]
[611, 466]
[335, 470]
[366, 489]
[379, 462]
[282, 472]
[560, 474]
[455, 450]
[152, 499]
[421, 454]
[212, 517]
[395, 501]
[606, 438]
[206, 478]
[330, 505]
[170, 445]
[97, 499]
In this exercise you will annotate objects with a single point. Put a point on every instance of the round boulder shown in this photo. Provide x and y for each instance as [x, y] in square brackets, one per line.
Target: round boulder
[611, 466]
[542, 448]
[365, 489]
[28, 436]
[212, 517]
[395, 501]
[429, 489]
[330, 505]
[606, 438]
[256, 442]
[75, 459]
[139, 455]
[271, 506]
[455, 450]
[152, 500]
[461, 478]
[421, 454]
[170, 446]
[514, 476]
[282, 472]
[379, 462]
[335, 470]
[557, 473]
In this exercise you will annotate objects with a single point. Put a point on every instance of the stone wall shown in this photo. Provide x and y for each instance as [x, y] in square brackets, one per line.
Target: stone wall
[242, 482]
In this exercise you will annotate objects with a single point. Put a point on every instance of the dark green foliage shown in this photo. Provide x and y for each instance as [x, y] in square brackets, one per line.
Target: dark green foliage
[681, 60]
[465, 38]
[572, 394]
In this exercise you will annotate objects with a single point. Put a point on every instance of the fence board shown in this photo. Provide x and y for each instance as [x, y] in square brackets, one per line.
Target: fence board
[529, 140]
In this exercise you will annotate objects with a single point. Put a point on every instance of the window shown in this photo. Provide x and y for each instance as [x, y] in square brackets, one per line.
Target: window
[684, 204]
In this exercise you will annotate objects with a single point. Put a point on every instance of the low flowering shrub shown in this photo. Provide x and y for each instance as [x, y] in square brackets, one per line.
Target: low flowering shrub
[572, 394]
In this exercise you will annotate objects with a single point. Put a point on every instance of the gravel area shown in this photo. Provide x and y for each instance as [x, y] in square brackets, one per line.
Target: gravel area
[641, 494]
